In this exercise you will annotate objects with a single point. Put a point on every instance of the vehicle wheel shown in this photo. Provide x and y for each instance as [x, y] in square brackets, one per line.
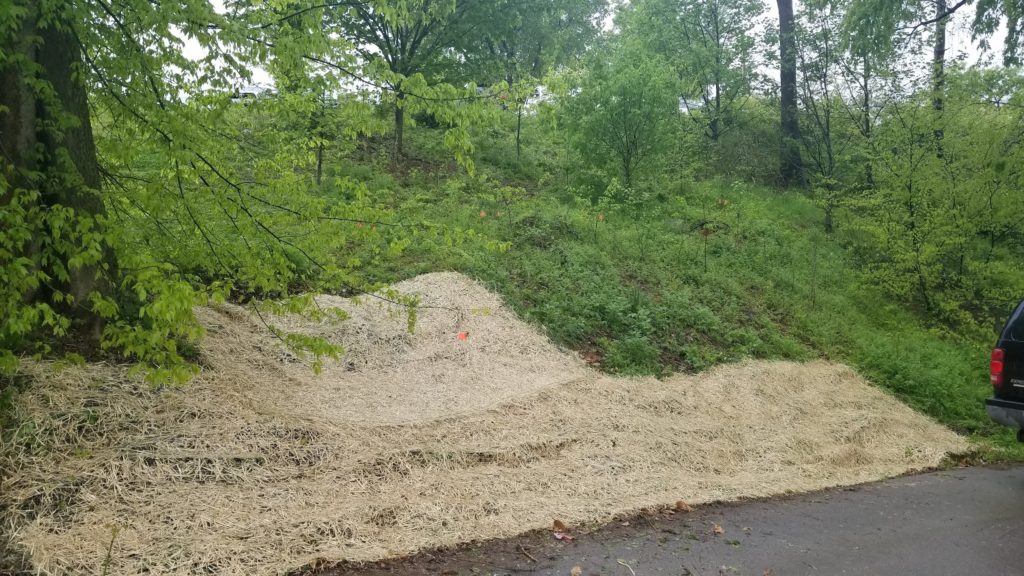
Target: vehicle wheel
[1020, 435]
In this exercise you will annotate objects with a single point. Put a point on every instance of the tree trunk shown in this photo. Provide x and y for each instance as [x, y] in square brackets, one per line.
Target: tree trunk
[316, 128]
[36, 140]
[18, 135]
[319, 162]
[715, 129]
[869, 173]
[792, 168]
[939, 56]
[866, 100]
[519, 129]
[399, 127]
[939, 70]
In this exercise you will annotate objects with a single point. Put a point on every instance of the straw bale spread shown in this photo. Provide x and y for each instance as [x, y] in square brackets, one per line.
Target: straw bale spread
[411, 441]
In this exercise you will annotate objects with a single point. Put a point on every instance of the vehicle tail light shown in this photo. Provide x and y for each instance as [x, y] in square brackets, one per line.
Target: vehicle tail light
[996, 366]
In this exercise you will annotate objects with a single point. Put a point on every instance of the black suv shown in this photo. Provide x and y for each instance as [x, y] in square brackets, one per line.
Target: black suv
[1007, 370]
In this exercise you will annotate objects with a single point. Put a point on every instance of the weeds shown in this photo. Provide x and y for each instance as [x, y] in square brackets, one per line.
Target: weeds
[644, 298]
[114, 531]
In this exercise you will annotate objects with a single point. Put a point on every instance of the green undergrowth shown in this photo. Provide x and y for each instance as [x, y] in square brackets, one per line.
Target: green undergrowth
[705, 273]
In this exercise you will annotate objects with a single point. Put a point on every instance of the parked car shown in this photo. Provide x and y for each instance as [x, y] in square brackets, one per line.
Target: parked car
[1007, 375]
[246, 94]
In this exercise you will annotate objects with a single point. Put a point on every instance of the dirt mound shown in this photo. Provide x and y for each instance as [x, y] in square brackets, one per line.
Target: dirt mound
[389, 375]
[412, 441]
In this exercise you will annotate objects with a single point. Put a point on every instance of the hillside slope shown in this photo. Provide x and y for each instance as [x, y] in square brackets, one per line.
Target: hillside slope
[699, 273]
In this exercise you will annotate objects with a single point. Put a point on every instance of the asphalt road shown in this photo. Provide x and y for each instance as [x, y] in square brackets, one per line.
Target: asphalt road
[964, 522]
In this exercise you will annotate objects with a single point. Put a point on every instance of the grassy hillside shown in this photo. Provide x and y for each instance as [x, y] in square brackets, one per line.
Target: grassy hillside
[704, 273]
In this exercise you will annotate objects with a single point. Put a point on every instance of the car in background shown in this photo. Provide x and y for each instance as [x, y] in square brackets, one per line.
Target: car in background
[541, 96]
[1006, 370]
[246, 94]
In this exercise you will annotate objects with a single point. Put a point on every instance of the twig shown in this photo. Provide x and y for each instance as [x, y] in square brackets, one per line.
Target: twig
[627, 566]
[525, 553]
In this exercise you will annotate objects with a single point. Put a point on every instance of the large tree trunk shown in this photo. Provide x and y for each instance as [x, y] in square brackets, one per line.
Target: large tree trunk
[61, 61]
[792, 168]
[43, 151]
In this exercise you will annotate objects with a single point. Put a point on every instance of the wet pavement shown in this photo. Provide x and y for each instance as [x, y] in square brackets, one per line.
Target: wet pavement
[967, 521]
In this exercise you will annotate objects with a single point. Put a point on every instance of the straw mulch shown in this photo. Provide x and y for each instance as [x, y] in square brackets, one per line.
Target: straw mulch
[412, 441]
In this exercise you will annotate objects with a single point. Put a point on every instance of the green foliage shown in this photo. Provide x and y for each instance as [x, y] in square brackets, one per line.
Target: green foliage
[632, 355]
[710, 47]
[21, 224]
[833, 144]
[940, 229]
[884, 24]
[623, 111]
[201, 198]
[750, 151]
[523, 39]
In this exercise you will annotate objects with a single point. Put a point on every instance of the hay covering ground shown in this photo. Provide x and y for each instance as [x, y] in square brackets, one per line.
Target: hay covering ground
[413, 441]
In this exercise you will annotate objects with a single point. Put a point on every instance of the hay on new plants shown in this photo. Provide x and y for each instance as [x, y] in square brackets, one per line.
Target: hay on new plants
[411, 441]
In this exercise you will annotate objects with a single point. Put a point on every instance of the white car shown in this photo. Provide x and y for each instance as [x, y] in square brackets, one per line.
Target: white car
[252, 92]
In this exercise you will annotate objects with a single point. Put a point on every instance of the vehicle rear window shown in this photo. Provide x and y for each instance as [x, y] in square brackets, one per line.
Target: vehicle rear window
[1015, 326]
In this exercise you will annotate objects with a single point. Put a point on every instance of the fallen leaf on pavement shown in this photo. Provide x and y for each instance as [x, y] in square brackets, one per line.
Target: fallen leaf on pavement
[576, 571]
[717, 529]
